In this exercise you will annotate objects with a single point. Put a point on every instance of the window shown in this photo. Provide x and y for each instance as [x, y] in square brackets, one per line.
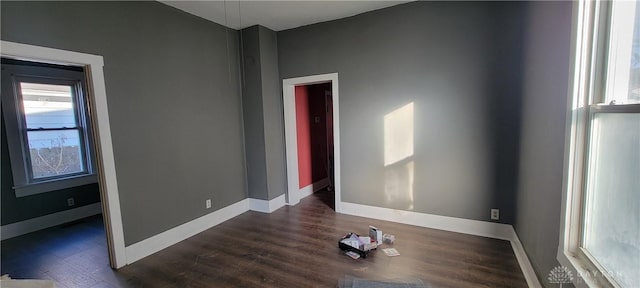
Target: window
[48, 131]
[601, 236]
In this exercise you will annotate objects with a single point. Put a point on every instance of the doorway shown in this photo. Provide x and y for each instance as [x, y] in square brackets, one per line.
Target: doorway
[105, 163]
[312, 132]
[49, 154]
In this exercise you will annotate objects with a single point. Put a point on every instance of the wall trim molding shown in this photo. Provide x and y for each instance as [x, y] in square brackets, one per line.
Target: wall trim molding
[50, 220]
[267, 206]
[452, 224]
[174, 235]
[313, 187]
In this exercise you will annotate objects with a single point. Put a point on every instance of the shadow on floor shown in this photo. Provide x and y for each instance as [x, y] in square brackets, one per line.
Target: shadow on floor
[327, 197]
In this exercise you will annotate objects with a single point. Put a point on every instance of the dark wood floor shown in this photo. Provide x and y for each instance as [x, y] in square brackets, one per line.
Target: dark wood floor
[72, 255]
[291, 247]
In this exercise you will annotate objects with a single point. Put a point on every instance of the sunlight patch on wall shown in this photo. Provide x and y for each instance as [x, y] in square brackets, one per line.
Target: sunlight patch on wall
[398, 185]
[398, 134]
[398, 153]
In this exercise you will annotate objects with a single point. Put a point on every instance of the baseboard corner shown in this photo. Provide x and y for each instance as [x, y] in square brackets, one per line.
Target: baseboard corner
[523, 260]
[267, 206]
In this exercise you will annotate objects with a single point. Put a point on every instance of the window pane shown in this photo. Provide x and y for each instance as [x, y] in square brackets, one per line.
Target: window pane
[634, 78]
[55, 153]
[612, 218]
[48, 106]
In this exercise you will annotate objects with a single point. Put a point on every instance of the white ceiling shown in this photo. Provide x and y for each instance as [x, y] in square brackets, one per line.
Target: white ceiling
[276, 15]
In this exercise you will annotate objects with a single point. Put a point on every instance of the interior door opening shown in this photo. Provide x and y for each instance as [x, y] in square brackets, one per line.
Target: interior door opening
[314, 136]
[101, 136]
[50, 154]
[317, 98]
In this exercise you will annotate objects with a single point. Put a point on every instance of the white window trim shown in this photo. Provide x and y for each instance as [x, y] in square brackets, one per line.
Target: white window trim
[104, 150]
[54, 184]
[574, 139]
[585, 78]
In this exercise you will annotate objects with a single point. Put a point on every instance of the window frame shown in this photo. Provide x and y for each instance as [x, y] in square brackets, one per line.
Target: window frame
[591, 75]
[15, 72]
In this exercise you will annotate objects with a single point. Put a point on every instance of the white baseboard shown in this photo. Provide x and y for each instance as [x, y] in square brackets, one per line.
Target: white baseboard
[453, 224]
[172, 236]
[466, 226]
[267, 206]
[314, 187]
[523, 260]
[46, 221]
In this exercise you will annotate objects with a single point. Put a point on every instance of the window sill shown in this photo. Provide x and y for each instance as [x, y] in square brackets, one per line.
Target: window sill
[53, 185]
[584, 277]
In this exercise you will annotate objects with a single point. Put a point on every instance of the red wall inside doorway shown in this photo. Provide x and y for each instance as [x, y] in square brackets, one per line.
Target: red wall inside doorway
[311, 132]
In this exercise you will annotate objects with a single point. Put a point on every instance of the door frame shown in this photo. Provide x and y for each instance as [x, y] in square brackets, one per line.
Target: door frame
[105, 163]
[291, 144]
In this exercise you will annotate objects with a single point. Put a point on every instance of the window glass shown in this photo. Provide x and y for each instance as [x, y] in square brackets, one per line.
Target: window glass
[634, 78]
[612, 218]
[623, 72]
[48, 106]
[55, 153]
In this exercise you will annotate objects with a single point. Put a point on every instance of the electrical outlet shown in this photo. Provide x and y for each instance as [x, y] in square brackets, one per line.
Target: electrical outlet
[208, 203]
[495, 214]
[71, 202]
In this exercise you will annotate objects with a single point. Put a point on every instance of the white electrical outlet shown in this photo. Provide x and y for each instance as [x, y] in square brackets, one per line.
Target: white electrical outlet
[208, 203]
[71, 202]
[495, 214]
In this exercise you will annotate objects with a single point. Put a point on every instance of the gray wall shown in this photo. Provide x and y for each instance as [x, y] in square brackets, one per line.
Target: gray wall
[273, 113]
[263, 114]
[15, 209]
[253, 115]
[545, 88]
[459, 63]
[173, 92]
